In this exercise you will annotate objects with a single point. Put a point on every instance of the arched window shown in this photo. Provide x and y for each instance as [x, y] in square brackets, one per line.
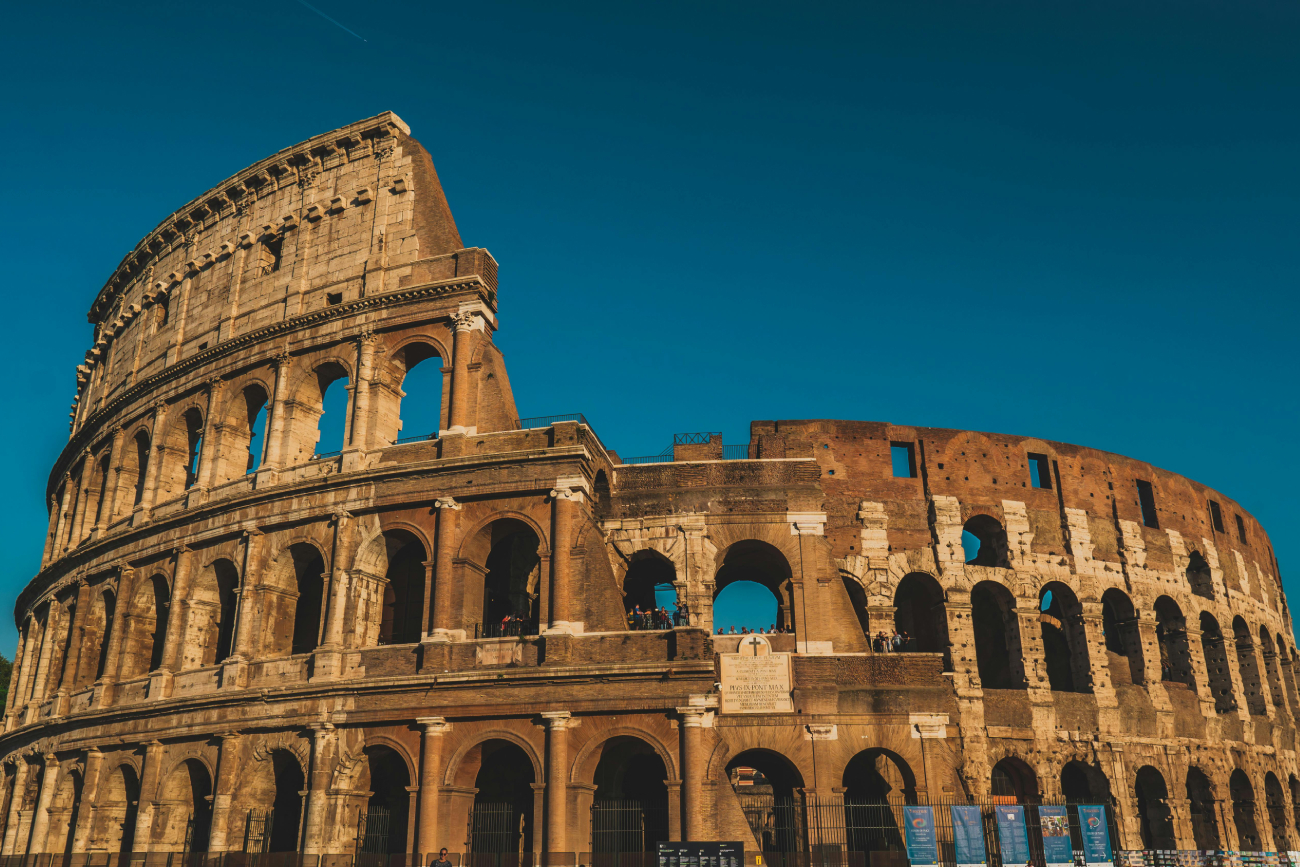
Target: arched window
[1242, 795]
[997, 637]
[738, 603]
[332, 424]
[1171, 636]
[985, 542]
[1065, 644]
[1248, 667]
[920, 616]
[384, 831]
[420, 391]
[629, 810]
[1201, 805]
[1198, 576]
[1123, 637]
[1155, 822]
[1216, 664]
[765, 783]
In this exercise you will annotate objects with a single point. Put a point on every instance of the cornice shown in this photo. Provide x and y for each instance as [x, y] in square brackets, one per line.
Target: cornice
[235, 189]
[85, 433]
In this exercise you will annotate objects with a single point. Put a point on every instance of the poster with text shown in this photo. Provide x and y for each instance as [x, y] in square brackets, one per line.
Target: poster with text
[1012, 836]
[922, 847]
[1096, 835]
[968, 837]
[1055, 825]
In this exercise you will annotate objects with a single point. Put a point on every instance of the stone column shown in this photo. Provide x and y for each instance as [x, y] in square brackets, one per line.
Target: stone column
[564, 506]
[358, 442]
[557, 789]
[108, 509]
[430, 764]
[41, 820]
[445, 554]
[22, 769]
[322, 742]
[465, 324]
[692, 771]
[275, 422]
[160, 683]
[223, 790]
[235, 669]
[89, 791]
[153, 754]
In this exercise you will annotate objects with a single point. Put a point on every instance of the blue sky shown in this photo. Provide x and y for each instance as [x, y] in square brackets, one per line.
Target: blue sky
[1072, 220]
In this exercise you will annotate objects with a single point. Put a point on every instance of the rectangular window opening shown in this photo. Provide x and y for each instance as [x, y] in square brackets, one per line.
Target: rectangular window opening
[1040, 473]
[1216, 517]
[1147, 500]
[903, 456]
[1241, 529]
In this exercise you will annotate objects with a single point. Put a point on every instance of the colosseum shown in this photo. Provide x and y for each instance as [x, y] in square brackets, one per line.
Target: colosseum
[240, 642]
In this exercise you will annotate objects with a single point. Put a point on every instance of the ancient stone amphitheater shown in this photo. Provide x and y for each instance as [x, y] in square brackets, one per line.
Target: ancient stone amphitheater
[238, 643]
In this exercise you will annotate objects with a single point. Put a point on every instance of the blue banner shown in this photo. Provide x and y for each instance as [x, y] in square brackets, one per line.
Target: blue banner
[1055, 825]
[1012, 836]
[922, 847]
[1096, 835]
[968, 837]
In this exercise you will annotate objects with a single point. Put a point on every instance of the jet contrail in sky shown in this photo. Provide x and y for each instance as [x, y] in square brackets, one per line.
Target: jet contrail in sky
[329, 19]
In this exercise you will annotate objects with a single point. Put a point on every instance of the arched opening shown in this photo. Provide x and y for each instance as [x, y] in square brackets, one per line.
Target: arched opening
[648, 590]
[502, 819]
[185, 817]
[332, 423]
[1171, 636]
[997, 637]
[106, 610]
[65, 809]
[420, 391]
[877, 783]
[1198, 575]
[1216, 664]
[1201, 804]
[1242, 795]
[388, 808]
[402, 610]
[1271, 670]
[309, 578]
[919, 615]
[1248, 667]
[1155, 821]
[747, 607]
[511, 578]
[287, 807]
[1119, 623]
[629, 810]
[1012, 778]
[765, 783]
[1275, 799]
[1065, 644]
[985, 542]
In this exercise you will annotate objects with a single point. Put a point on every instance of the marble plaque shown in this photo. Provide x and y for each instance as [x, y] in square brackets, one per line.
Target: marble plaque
[756, 684]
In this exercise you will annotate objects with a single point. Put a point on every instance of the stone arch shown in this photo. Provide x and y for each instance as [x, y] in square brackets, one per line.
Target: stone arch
[998, 643]
[1065, 643]
[762, 563]
[993, 545]
[449, 776]
[1155, 820]
[583, 768]
[1202, 803]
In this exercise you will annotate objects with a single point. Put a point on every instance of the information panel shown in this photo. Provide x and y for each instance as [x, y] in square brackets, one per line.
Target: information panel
[1055, 824]
[1096, 836]
[706, 854]
[922, 847]
[1012, 836]
[968, 837]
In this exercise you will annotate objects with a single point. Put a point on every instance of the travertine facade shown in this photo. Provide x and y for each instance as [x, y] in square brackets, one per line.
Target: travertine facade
[226, 621]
